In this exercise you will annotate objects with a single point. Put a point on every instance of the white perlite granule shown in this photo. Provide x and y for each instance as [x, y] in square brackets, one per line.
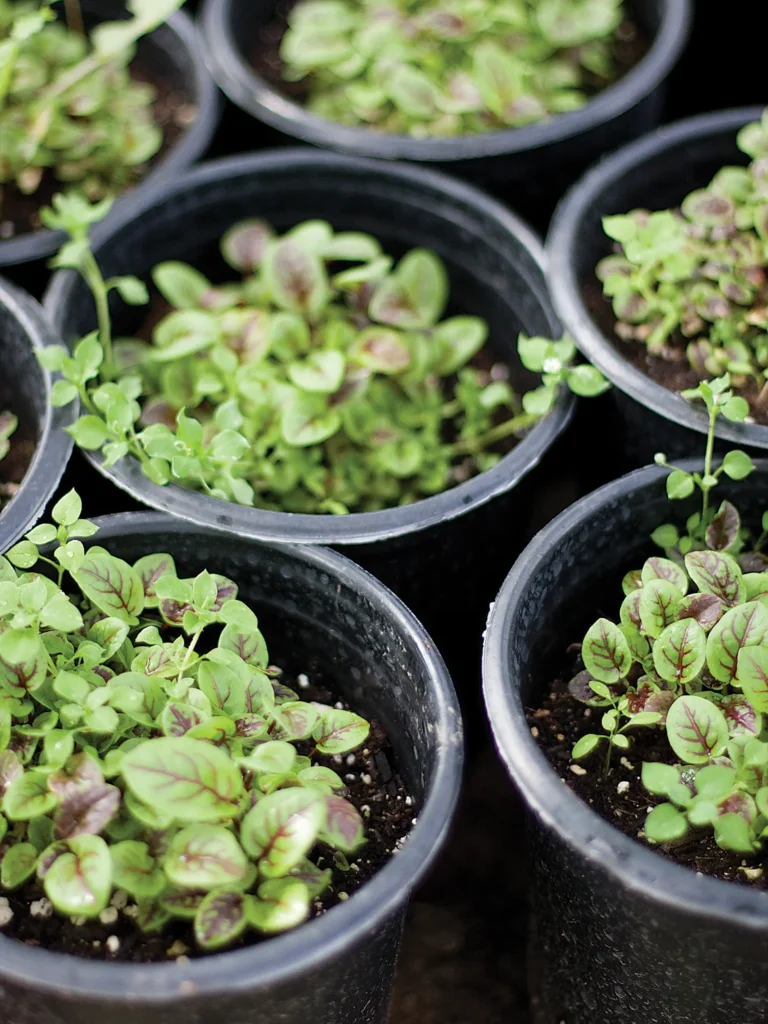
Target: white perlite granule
[113, 944]
[41, 908]
[108, 915]
[6, 914]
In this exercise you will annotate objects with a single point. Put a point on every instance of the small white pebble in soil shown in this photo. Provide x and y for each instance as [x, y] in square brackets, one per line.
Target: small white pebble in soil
[119, 899]
[178, 949]
[578, 770]
[408, 801]
[414, 821]
[96, 944]
[339, 705]
[343, 896]
[354, 867]
[182, 959]
[622, 787]
[41, 908]
[113, 944]
[338, 759]
[349, 777]
[534, 732]
[302, 680]
[366, 780]
[78, 922]
[131, 910]
[753, 874]
[627, 764]
[6, 914]
[351, 759]
[366, 752]
[365, 809]
[108, 915]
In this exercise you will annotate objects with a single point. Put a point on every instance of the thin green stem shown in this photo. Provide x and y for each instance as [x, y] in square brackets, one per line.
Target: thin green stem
[706, 488]
[189, 653]
[95, 281]
[473, 445]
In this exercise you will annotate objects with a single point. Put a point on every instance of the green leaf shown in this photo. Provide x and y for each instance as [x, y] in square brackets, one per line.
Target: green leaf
[413, 92]
[732, 832]
[19, 863]
[204, 857]
[680, 651]
[743, 626]
[715, 572]
[679, 484]
[696, 729]
[659, 605]
[23, 555]
[381, 349]
[223, 687]
[283, 903]
[89, 432]
[340, 731]
[282, 828]
[187, 779]
[131, 290]
[59, 613]
[274, 756]
[28, 797]
[321, 371]
[244, 245]
[664, 780]
[605, 652]
[343, 829]
[68, 509]
[665, 824]
[737, 465]
[296, 278]
[62, 393]
[221, 918]
[307, 421]
[181, 285]
[79, 881]
[135, 870]
[112, 585]
[459, 338]
[752, 675]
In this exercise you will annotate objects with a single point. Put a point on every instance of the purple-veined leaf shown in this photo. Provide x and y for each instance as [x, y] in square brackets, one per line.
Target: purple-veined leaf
[343, 827]
[639, 647]
[632, 581]
[723, 531]
[20, 678]
[307, 420]
[282, 828]
[218, 731]
[244, 245]
[605, 652]
[223, 688]
[381, 349]
[580, 688]
[135, 870]
[259, 695]
[680, 651]
[205, 857]
[741, 716]
[221, 918]
[80, 774]
[275, 756]
[320, 371]
[182, 904]
[293, 720]
[744, 626]
[752, 676]
[150, 569]
[79, 880]
[657, 568]
[188, 779]
[178, 718]
[659, 604]
[86, 812]
[250, 727]
[112, 585]
[250, 645]
[226, 590]
[296, 278]
[10, 769]
[162, 662]
[629, 613]
[705, 608]
[28, 796]
[173, 612]
[715, 572]
[757, 586]
[340, 731]
[319, 777]
[283, 694]
[138, 696]
[282, 903]
[315, 879]
[696, 729]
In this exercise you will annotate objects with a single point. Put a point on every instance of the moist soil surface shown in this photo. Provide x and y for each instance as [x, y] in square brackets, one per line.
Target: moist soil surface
[264, 54]
[173, 111]
[373, 786]
[14, 466]
[674, 372]
[618, 794]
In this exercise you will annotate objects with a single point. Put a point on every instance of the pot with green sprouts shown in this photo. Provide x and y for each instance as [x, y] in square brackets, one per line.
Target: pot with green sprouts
[655, 723]
[169, 791]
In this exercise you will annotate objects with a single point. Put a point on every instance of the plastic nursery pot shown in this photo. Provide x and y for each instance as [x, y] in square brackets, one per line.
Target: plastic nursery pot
[25, 391]
[530, 165]
[654, 173]
[452, 545]
[322, 612]
[171, 56]
[619, 933]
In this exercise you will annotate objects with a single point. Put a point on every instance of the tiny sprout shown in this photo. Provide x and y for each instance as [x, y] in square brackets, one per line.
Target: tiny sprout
[134, 759]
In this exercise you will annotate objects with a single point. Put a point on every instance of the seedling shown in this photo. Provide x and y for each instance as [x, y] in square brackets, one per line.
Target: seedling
[132, 760]
[435, 69]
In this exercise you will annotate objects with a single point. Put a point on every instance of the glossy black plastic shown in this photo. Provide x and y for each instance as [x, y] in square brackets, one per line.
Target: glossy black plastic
[619, 933]
[528, 165]
[173, 52]
[655, 173]
[443, 555]
[25, 390]
[323, 615]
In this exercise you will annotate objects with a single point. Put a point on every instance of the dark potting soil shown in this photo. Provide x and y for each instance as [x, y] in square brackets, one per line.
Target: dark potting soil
[173, 111]
[673, 371]
[373, 786]
[631, 45]
[14, 466]
[618, 794]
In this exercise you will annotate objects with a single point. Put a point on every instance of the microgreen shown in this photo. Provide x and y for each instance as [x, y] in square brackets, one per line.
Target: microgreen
[68, 102]
[436, 69]
[691, 282]
[689, 656]
[324, 380]
[132, 759]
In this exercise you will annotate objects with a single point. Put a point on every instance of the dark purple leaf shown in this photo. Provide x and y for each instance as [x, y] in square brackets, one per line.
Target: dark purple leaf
[86, 812]
[724, 528]
[706, 609]
[221, 918]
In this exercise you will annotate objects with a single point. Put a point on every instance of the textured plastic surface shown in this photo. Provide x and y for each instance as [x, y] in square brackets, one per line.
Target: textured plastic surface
[656, 172]
[25, 390]
[529, 165]
[323, 615]
[620, 934]
[430, 552]
[173, 52]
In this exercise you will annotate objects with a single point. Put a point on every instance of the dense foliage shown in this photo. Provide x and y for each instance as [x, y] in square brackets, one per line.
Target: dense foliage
[130, 760]
[444, 69]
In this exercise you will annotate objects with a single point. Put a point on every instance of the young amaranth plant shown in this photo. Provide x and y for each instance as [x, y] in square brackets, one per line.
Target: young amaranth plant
[689, 655]
[691, 284]
[437, 69]
[130, 760]
[323, 381]
[68, 104]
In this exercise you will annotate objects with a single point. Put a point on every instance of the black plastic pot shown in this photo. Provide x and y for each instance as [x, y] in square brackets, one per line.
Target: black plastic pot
[25, 390]
[172, 51]
[656, 173]
[320, 611]
[530, 165]
[449, 546]
[619, 933]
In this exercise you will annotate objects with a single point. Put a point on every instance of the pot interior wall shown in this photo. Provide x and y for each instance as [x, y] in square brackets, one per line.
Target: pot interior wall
[22, 381]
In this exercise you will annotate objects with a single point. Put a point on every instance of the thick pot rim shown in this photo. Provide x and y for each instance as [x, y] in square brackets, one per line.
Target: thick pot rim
[356, 527]
[250, 91]
[191, 145]
[288, 955]
[564, 239]
[633, 866]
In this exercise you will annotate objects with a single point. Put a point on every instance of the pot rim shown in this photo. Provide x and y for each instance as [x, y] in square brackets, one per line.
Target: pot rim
[308, 946]
[315, 528]
[53, 447]
[250, 91]
[562, 244]
[631, 865]
[191, 145]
